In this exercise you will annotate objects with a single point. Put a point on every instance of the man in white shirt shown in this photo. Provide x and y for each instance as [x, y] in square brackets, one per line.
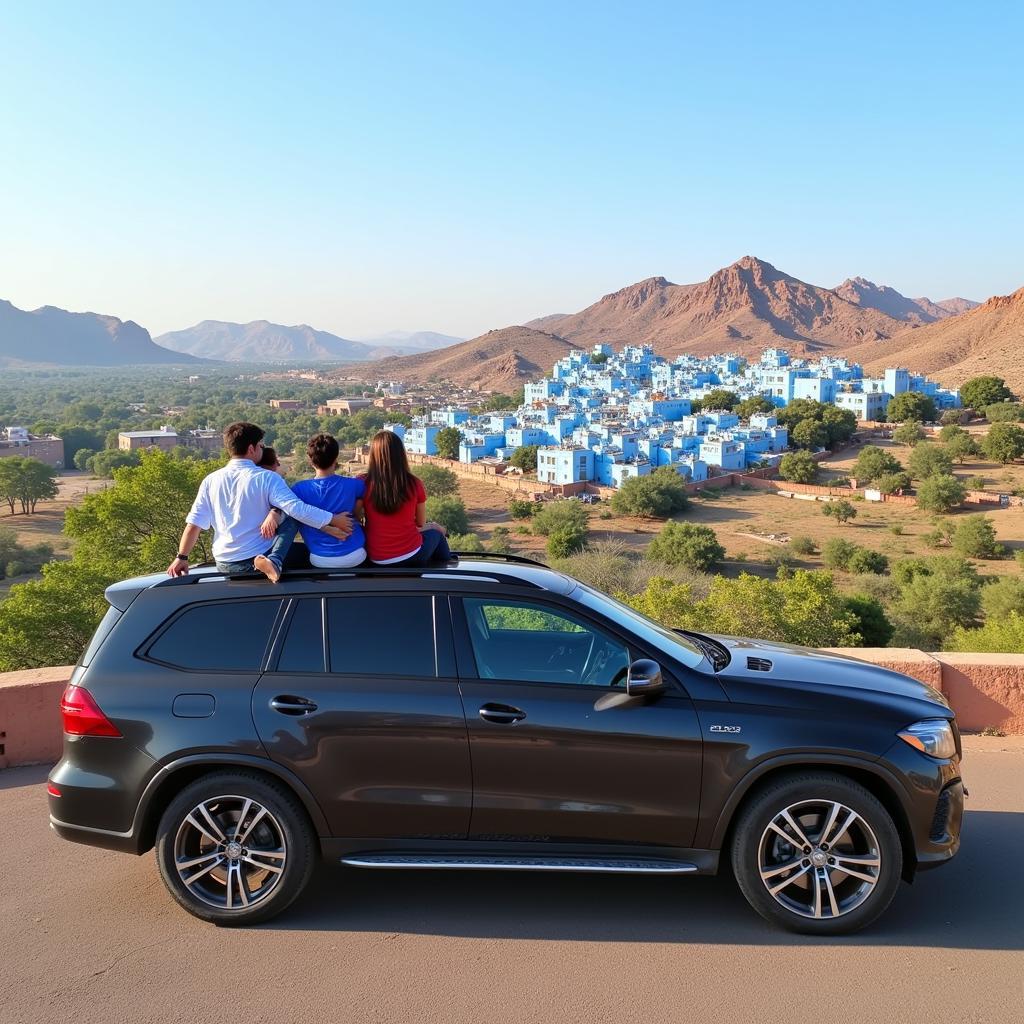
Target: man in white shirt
[235, 501]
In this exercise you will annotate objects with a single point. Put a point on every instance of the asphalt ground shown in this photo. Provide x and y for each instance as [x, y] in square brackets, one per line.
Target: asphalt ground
[88, 935]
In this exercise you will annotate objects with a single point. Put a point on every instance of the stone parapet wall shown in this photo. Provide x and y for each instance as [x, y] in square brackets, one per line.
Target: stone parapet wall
[985, 690]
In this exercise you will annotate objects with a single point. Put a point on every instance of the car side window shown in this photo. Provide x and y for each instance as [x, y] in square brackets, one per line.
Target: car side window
[223, 636]
[382, 635]
[303, 647]
[534, 643]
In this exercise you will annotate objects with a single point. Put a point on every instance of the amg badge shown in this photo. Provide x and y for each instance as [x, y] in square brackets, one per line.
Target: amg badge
[724, 728]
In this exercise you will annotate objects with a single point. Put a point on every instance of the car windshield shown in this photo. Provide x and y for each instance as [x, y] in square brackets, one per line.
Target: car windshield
[672, 643]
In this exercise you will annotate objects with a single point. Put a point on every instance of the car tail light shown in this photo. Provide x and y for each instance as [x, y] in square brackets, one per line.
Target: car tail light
[52, 789]
[82, 716]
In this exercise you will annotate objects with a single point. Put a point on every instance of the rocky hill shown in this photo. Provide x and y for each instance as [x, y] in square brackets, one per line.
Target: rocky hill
[495, 361]
[54, 337]
[862, 292]
[986, 340]
[409, 342]
[263, 342]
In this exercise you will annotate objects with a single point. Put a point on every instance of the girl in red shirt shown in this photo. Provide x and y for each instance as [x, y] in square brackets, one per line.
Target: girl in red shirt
[397, 531]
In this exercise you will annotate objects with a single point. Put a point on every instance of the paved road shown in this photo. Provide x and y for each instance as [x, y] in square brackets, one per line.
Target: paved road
[91, 936]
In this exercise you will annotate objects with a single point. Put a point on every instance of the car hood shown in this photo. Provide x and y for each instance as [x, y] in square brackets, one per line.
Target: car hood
[790, 665]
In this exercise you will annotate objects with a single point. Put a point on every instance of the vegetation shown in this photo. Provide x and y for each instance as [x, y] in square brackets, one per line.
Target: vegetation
[979, 392]
[911, 405]
[465, 542]
[754, 405]
[719, 399]
[686, 544]
[836, 553]
[560, 515]
[929, 460]
[1005, 412]
[975, 537]
[802, 545]
[934, 596]
[656, 496]
[1002, 597]
[1004, 442]
[865, 560]
[437, 481]
[842, 511]
[525, 457]
[872, 463]
[499, 542]
[839, 424]
[809, 435]
[940, 493]
[871, 622]
[960, 445]
[799, 467]
[893, 483]
[448, 440]
[521, 508]
[565, 541]
[16, 560]
[449, 512]
[25, 482]
[999, 636]
[909, 433]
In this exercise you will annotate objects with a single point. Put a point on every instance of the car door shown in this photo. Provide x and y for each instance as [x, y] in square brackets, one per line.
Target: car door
[361, 701]
[559, 751]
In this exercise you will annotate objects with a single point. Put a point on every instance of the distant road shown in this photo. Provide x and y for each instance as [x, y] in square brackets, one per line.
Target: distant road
[90, 936]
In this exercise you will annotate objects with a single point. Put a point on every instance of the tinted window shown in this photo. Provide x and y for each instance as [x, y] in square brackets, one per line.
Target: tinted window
[102, 632]
[303, 649]
[382, 635]
[226, 636]
[534, 643]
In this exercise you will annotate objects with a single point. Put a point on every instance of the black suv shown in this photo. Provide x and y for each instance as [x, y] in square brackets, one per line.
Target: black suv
[490, 713]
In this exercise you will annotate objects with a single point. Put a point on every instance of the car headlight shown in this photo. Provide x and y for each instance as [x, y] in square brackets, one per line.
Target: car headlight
[933, 736]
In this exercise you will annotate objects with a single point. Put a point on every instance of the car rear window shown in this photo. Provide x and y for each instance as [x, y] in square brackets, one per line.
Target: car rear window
[107, 623]
[382, 635]
[223, 636]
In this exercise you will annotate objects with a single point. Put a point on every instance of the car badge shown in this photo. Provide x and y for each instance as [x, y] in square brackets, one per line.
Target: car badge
[725, 728]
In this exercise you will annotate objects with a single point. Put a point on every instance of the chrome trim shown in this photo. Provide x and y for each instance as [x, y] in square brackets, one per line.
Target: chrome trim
[609, 866]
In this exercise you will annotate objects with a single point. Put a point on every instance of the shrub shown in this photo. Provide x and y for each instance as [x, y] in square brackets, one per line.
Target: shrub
[909, 433]
[940, 493]
[687, 544]
[1005, 412]
[975, 537]
[874, 627]
[465, 542]
[523, 530]
[873, 463]
[929, 460]
[837, 552]
[659, 495]
[896, 530]
[802, 546]
[1018, 557]
[520, 508]
[557, 515]
[979, 392]
[842, 510]
[1004, 442]
[865, 560]
[934, 538]
[499, 543]
[892, 483]
[951, 417]
[606, 514]
[1003, 596]
[565, 541]
[82, 457]
[910, 405]
[934, 595]
[448, 441]
[437, 480]
[448, 512]
[799, 467]
[999, 636]
[525, 457]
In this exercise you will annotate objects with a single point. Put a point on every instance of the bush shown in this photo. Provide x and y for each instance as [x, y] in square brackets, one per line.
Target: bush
[979, 392]
[565, 541]
[842, 511]
[893, 483]
[82, 457]
[465, 542]
[523, 531]
[802, 546]
[910, 405]
[896, 530]
[874, 627]
[558, 515]
[873, 463]
[940, 493]
[520, 508]
[951, 417]
[808, 434]
[934, 538]
[1018, 557]
[448, 441]
[1005, 412]
[1003, 596]
[525, 457]
[975, 537]
[799, 467]
[865, 560]
[934, 595]
[687, 544]
[437, 480]
[998, 636]
[929, 460]
[1004, 442]
[909, 433]
[837, 552]
[448, 512]
[499, 542]
[659, 495]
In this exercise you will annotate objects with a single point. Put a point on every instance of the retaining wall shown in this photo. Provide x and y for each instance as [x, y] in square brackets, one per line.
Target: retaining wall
[985, 690]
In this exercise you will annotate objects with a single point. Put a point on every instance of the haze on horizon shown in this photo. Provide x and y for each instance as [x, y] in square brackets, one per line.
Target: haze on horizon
[455, 169]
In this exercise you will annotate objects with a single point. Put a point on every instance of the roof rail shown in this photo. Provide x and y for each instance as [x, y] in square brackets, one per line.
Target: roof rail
[518, 559]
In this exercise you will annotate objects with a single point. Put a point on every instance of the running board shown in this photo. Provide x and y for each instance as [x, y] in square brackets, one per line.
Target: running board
[613, 865]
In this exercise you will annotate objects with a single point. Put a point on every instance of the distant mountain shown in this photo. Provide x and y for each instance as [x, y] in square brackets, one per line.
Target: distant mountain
[54, 337]
[263, 342]
[862, 292]
[741, 308]
[412, 341]
[495, 361]
[988, 339]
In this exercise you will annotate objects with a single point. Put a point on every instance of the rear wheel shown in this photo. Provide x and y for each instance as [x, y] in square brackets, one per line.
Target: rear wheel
[817, 853]
[235, 848]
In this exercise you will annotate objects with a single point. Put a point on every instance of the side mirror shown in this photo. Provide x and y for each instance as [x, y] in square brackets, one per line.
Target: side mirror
[644, 677]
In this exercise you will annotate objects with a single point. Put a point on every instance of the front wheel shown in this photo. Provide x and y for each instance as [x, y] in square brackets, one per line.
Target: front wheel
[235, 848]
[817, 853]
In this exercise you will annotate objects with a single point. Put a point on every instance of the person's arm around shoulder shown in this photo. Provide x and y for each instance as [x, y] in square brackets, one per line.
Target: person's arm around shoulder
[282, 497]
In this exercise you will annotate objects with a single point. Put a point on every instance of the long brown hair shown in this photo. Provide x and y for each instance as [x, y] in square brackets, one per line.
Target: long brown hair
[388, 479]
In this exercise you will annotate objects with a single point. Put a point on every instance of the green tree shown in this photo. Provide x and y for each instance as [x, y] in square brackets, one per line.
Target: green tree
[799, 466]
[951, 417]
[559, 515]
[809, 434]
[82, 457]
[1004, 442]
[105, 462]
[566, 541]
[962, 446]
[871, 623]
[753, 406]
[909, 433]
[940, 493]
[872, 463]
[841, 424]
[998, 636]
[979, 392]
[837, 552]
[449, 512]
[687, 544]
[656, 496]
[892, 483]
[930, 607]
[447, 441]
[719, 399]
[525, 457]
[803, 545]
[9, 481]
[437, 481]
[521, 508]
[465, 542]
[865, 560]
[1005, 412]
[929, 460]
[1003, 596]
[842, 511]
[599, 358]
[75, 437]
[26, 481]
[975, 537]
[911, 405]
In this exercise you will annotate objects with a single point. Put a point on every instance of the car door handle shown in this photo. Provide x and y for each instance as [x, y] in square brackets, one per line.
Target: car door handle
[501, 714]
[289, 705]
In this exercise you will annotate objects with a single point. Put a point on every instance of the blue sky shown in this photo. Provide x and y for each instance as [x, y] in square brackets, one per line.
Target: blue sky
[465, 166]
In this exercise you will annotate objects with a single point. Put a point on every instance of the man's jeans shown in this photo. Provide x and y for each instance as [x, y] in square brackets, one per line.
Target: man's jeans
[277, 552]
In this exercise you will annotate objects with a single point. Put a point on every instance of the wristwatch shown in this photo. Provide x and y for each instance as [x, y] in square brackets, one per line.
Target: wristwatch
[181, 557]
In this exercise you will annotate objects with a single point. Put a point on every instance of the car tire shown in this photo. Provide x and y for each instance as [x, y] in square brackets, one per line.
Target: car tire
[792, 842]
[235, 848]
